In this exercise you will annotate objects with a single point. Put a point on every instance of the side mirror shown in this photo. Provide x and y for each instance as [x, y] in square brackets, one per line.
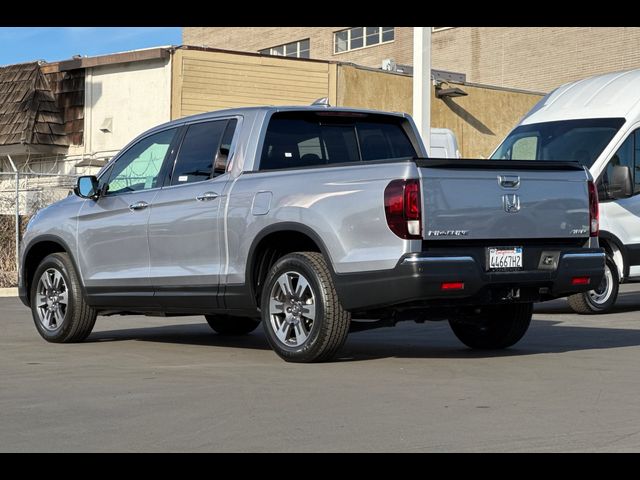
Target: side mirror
[87, 187]
[620, 185]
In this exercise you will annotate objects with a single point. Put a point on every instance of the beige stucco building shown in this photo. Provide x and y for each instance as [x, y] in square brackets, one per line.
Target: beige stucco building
[530, 58]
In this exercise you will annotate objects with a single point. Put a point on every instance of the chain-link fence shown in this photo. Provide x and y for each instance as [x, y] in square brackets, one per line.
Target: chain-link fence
[21, 195]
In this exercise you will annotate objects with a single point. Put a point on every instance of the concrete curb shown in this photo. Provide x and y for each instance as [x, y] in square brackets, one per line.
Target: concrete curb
[8, 292]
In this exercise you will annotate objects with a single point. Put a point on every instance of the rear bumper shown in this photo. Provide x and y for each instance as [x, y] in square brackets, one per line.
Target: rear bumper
[419, 277]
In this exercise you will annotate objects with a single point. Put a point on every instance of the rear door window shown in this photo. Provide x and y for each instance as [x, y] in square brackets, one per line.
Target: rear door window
[305, 139]
[198, 151]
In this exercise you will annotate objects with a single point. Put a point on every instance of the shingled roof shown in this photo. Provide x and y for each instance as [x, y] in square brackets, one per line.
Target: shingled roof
[28, 111]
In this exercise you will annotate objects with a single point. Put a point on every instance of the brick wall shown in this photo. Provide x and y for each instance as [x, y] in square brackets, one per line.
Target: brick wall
[252, 39]
[535, 58]
[530, 58]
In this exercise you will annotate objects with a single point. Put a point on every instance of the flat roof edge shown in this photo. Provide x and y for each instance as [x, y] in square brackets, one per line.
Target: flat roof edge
[110, 59]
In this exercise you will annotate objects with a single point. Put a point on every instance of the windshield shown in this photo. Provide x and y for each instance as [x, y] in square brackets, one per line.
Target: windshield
[565, 140]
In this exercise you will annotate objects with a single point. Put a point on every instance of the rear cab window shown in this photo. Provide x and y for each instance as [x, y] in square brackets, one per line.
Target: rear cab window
[307, 139]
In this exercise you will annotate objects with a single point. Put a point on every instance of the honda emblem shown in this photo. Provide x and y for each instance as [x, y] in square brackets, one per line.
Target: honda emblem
[511, 203]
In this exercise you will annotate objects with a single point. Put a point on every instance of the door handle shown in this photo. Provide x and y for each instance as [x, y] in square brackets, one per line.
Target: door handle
[138, 206]
[507, 181]
[207, 196]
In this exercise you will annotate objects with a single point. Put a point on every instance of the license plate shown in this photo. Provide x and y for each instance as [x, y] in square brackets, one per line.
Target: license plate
[504, 259]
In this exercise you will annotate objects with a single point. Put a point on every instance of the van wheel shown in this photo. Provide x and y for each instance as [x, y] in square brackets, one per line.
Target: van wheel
[601, 299]
[301, 314]
[58, 307]
[496, 327]
[229, 325]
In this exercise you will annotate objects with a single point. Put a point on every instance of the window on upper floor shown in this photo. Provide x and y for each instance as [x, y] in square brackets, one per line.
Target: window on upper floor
[299, 49]
[360, 37]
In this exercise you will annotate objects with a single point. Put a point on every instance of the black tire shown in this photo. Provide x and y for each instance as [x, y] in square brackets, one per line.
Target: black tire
[496, 327]
[601, 299]
[322, 336]
[79, 318]
[230, 325]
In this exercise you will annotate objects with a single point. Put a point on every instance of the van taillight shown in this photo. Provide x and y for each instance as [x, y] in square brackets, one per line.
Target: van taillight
[594, 211]
[403, 209]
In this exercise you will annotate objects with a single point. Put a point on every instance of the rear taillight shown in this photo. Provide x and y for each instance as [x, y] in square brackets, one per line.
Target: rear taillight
[403, 209]
[594, 211]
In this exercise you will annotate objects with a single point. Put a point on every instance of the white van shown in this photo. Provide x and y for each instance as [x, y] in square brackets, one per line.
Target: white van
[595, 121]
[443, 144]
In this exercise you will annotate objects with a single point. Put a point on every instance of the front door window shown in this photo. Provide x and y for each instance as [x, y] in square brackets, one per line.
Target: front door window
[139, 167]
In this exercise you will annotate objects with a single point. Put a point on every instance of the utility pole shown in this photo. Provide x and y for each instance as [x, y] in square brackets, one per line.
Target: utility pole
[422, 83]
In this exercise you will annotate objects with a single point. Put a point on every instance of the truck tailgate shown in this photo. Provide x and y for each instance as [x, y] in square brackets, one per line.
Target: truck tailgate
[503, 199]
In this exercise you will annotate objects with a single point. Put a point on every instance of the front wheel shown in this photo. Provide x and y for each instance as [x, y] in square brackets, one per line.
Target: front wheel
[301, 314]
[58, 307]
[601, 299]
[495, 327]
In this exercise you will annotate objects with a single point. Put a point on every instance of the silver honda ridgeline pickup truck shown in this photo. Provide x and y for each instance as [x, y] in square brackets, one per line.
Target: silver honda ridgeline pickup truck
[311, 220]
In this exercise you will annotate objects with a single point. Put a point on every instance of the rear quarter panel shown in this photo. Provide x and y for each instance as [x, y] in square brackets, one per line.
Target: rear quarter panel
[343, 205]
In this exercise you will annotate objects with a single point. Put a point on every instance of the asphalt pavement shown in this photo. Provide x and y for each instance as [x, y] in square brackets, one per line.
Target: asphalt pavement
[171, 384]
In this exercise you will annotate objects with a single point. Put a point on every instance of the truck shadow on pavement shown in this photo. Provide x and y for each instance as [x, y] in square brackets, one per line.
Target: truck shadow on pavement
[431, 340]
[544, 336]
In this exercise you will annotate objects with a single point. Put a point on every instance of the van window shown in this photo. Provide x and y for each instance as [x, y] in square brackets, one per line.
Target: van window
[525, 148]
[303, 139]
[566, 140]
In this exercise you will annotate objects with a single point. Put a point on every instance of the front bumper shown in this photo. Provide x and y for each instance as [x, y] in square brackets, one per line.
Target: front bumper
[418, 278]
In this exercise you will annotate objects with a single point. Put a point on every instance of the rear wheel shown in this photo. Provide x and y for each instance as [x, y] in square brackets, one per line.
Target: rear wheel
[301, 314]
[601, 299]
[495, 327]
[58, 307]
[229, 325]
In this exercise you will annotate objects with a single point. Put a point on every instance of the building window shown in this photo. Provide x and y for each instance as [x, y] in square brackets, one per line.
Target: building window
[439, 29]
[299, 49]
[361, 37]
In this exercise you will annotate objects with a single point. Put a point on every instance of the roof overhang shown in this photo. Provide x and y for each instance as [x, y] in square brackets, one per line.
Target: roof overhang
[112, 59]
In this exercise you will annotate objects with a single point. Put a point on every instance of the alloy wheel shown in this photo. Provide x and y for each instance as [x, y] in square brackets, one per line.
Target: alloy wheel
[52, 296]
[292, 309]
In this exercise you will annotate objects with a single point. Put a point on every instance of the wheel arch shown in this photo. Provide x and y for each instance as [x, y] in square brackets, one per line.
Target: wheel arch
[616, 249]
[289, 237]
[37, 250]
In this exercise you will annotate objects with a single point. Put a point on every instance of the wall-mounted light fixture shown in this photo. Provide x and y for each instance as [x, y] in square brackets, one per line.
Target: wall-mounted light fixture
[449, 92]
